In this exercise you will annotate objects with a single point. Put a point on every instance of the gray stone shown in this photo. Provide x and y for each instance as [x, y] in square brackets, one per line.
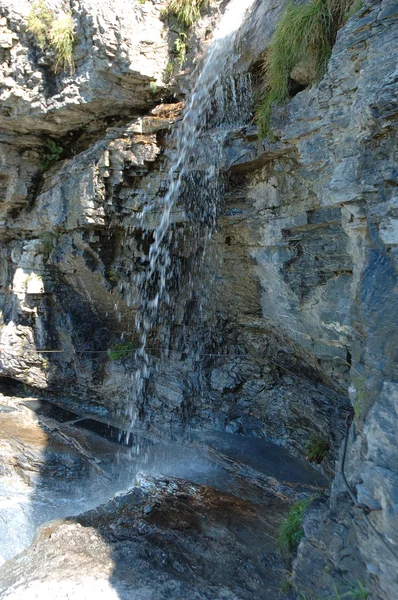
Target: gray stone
[118, 53]
[184, 547]
[303, 305]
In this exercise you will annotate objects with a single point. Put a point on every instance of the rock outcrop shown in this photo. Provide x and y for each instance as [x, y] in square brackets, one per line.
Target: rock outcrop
[118, 53]
[164, 538]
[317, 208]
[301, 329]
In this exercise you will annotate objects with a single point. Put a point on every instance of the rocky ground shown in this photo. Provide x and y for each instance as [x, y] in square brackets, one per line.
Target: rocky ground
[163, 537]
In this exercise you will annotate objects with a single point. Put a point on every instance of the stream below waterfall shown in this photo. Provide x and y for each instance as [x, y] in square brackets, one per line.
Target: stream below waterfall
[53, 468]
[70, 470]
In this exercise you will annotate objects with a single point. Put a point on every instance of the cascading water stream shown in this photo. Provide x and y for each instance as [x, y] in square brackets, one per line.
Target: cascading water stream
[218, 101]
[215, 99]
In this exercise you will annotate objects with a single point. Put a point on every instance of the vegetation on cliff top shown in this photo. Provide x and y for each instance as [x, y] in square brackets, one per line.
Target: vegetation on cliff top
[304, 34]
[187, 12]
[54, 32]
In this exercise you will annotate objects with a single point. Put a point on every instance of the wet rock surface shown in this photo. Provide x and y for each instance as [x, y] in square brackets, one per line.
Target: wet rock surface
[164, 538]
[266, 465]
[47, 467]
[302, 324]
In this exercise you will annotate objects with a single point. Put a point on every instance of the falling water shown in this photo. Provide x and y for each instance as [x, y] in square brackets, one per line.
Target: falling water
[218, 99]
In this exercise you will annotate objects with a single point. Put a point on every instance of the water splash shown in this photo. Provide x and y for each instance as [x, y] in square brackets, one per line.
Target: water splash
[218, 99]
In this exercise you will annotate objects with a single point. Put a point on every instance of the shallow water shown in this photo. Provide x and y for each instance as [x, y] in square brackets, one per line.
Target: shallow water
[24, 507]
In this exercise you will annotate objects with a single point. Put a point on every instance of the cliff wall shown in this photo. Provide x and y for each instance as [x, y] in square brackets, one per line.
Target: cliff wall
[303, 306]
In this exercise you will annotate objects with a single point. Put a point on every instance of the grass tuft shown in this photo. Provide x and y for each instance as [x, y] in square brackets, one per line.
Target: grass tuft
[47, 240]
[51, 153]
[317, 449]
[304, 34]
[291, 530]
[122, 350]
[39, 22]
[180, 49]
[62, 39]
[187, 12]
[357, 591]
[352, 10]
[53, 31]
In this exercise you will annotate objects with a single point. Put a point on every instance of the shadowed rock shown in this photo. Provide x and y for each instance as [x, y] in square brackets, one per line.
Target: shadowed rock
[164, 538]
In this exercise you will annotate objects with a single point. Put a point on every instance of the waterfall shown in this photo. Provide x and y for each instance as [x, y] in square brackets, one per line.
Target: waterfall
[217, 100]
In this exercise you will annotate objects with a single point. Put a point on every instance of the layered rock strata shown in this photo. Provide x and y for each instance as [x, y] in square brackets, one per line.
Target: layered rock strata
[305, 306]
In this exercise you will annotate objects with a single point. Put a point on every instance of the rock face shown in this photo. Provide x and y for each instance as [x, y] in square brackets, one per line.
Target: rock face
[117, 56]
[315, 210]
[326, 261]
[164, 538]
[301, 327]
[118, 53]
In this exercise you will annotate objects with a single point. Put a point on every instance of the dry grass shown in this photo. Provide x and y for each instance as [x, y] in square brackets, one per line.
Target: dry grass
[62, 38]
[39, 22]
[53, 31]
